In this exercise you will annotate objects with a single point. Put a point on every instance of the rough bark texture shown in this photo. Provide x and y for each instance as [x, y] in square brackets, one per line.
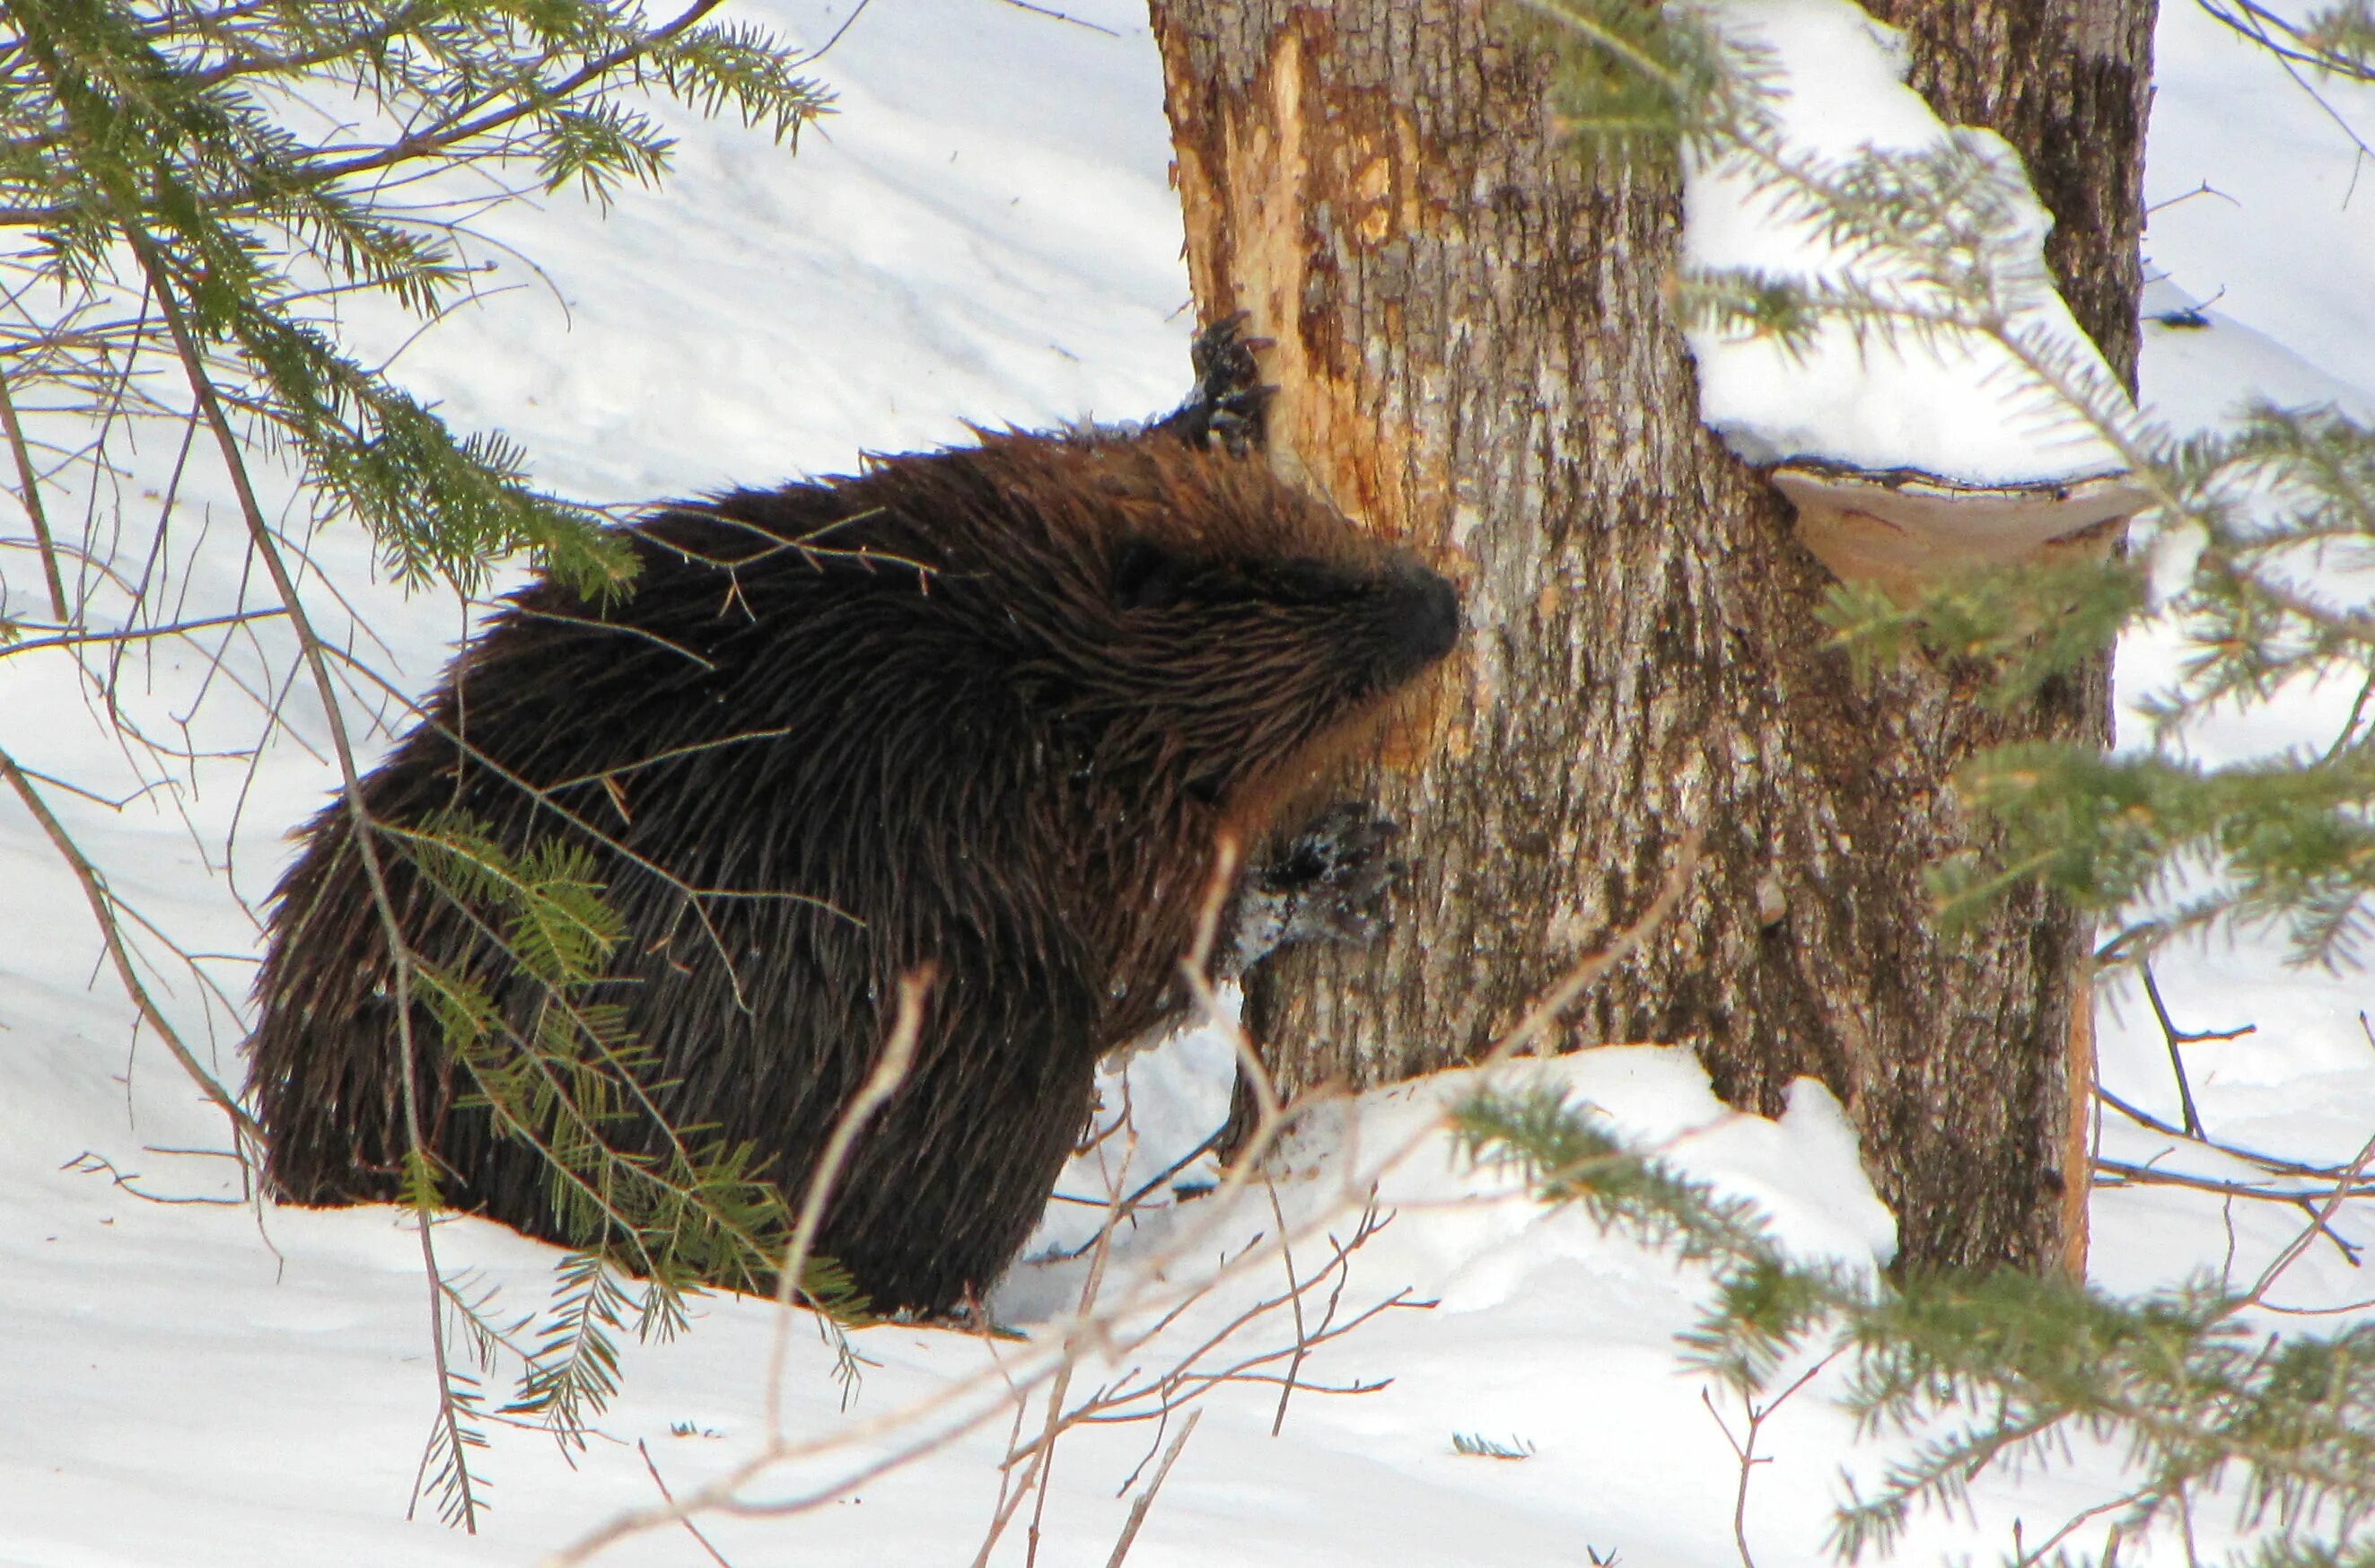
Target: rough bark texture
[1475, 358]
[2067, 82]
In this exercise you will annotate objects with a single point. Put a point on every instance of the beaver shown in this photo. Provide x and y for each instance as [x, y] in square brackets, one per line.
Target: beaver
[984, 712]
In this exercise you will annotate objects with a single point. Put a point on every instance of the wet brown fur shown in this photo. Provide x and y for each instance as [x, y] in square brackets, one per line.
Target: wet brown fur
[1026, 688]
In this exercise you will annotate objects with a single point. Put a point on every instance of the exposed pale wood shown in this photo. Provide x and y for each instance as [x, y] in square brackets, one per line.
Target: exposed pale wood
[2078, 1144]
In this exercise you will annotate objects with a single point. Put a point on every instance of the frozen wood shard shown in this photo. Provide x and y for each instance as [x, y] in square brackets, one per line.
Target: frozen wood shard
[1902, 530]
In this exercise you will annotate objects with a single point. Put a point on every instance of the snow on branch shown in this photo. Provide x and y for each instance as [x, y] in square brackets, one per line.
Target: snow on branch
[1867, 298]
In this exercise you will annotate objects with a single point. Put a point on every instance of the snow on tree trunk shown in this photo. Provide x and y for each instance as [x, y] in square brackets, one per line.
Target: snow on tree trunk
[2067, 82]
[1474, 357]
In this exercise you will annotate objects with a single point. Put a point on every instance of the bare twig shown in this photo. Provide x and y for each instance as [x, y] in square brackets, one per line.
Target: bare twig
[2318, 1222]
[1038, 1456]
[29, 492]
[1744, 1449]
[1055, 16]
[690, 1527]
[2027, 1557]
[2273, 1163]
[2323, 1179]
[1145, 1500]
[2293, 47]
[102, 909]
[137, 633]
[2153, 1175]
[209, 404]
[890, 1071]
[359, 818]
[1295, 1294]
[90, 1163]
[2177, 1037]
[1184, 1374]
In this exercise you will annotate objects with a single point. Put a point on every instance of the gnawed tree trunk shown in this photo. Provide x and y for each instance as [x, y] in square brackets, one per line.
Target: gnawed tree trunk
[1474, 356]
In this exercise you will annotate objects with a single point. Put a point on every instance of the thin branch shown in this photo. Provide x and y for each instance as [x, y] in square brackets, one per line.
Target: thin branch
[1295, 1294]
[102, 909]
[137, 633]
[30, 493]
[2318, 1222]
[1145, 1500]
[2153, 1175]
[2176, 1037]
[358, 812]
[890, 1071]
[966, 1406]
[690, 1527]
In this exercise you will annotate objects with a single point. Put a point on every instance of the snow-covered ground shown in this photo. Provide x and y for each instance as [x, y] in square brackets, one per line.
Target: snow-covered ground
[985, 232]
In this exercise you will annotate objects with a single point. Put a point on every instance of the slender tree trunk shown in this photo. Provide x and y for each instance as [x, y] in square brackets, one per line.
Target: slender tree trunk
[1474, 356]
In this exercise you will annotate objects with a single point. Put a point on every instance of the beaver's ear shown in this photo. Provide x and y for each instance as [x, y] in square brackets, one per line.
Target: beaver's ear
[1147, 576]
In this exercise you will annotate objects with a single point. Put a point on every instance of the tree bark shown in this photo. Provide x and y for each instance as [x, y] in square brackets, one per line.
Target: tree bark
[1474, 356]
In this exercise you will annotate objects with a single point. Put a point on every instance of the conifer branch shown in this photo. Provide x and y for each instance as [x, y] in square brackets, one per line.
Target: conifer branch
[151, 148]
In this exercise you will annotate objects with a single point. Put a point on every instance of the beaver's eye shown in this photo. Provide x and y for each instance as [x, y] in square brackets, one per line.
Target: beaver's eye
[1147, 576]
[1305, 583]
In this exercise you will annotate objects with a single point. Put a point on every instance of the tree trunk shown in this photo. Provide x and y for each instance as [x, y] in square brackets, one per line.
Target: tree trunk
[1474, 357]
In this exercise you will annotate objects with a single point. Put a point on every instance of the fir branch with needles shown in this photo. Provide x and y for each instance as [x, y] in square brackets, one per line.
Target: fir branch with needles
[1975, 1371]
[2272, 522]
[196, 194]
[2256, 551]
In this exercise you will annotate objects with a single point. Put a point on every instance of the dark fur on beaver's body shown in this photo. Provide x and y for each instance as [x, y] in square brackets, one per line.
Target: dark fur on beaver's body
[1023, 689]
